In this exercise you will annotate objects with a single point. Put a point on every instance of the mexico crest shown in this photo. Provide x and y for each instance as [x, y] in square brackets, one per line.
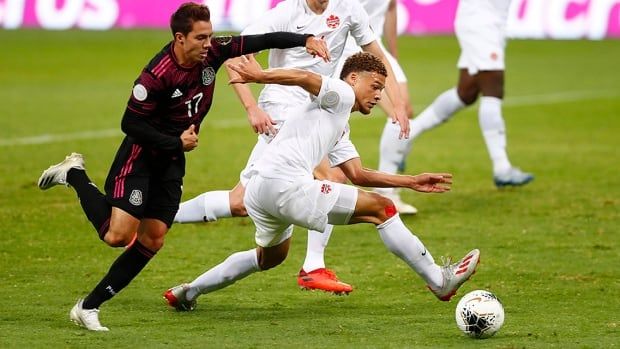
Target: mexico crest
[135, 198]
[208, 75]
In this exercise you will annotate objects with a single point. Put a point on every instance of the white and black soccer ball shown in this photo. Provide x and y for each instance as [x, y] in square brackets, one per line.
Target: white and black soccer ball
[479, 314]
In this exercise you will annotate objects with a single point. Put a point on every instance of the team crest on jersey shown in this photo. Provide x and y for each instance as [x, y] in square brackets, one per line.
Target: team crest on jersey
[136, 197]
[223, 40]
[326, 188]
[333, 21]
[208, 75]
[330, 99]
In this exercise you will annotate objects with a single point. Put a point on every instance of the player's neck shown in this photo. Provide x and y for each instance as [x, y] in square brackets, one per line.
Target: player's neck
[316, 6]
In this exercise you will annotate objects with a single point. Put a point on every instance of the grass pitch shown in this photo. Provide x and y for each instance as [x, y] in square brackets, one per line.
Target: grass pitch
[549, 250]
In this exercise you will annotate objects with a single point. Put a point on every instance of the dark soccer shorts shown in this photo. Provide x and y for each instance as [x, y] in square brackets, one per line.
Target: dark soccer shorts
[145, 184]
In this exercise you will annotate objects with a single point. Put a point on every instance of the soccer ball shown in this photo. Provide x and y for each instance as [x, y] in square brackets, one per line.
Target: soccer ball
[479, 314]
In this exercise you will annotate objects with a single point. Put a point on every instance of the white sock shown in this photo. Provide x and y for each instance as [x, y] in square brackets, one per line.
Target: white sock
[206, 207]
[406, 246]
[393, 151]
[236, 267]
[494, 132]
[442, 109]
[315, 252]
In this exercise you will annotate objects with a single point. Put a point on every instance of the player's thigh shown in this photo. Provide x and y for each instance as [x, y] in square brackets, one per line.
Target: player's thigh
[325, 172]
[165, 190]
[122, 223]
[151, 232]
[260, 201]
[467, 87]
[491, 83]
[372, 207]
[315, 204]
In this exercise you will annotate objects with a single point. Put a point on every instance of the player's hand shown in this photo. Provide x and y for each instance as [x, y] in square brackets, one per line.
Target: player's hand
[260, 121]
[318, 47]
[248, 69]
[189, 138]
[400, 116]
[432, 182]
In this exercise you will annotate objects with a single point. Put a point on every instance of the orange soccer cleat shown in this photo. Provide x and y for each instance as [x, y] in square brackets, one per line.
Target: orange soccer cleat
[322, 279]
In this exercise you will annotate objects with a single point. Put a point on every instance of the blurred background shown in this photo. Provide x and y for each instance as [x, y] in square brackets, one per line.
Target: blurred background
[555, 19]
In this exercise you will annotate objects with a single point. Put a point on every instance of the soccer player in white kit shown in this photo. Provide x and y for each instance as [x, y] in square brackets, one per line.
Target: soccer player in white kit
[334, 21]
[480, 27]
[282, 191]
[382, 15]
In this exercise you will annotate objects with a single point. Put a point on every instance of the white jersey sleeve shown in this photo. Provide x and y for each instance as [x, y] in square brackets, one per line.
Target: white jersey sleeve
[344, 150]
[335, 97]
[360, 28]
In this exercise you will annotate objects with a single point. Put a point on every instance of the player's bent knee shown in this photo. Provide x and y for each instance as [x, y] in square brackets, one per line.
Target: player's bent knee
[385, 209]
[271, 258]
[118, 239]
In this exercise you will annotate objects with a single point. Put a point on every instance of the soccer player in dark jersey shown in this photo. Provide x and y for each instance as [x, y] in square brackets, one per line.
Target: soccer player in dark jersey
[169, 100]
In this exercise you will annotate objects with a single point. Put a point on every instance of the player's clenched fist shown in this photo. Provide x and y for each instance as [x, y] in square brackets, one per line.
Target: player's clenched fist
[189, 139]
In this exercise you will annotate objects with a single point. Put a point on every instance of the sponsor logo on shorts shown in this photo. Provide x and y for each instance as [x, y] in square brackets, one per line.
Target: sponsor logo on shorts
[494, 56]
[136, 197]
[326, 188]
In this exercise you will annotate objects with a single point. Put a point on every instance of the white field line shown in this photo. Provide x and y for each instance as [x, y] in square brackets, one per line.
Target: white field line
[516, 101]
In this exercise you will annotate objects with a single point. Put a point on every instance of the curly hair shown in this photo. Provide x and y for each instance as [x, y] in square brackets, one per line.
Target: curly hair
[363, 61]
[184, 17]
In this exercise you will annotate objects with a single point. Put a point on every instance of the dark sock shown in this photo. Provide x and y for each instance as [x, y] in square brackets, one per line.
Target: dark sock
[92, 200]
[122, 271]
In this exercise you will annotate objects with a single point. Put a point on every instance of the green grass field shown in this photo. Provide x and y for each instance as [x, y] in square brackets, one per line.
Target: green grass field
[550, 250]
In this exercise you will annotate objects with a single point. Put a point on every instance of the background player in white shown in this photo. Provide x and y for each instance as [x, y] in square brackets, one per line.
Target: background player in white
[282, 190]
[382, 16]
[480, 29]
[334, 21]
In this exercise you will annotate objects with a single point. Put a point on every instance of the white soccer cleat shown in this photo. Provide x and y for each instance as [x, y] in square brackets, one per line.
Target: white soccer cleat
[401, 206]
[454, 275]
[176, 298]
[87, 318]
[513, 177]
[57, 174]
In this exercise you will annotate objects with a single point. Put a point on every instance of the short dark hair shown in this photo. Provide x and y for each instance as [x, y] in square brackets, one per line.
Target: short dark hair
[184, 17]
[363, 61]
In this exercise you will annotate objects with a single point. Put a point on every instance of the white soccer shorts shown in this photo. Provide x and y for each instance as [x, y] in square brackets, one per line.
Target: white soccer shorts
[276, 204]
[482, 47]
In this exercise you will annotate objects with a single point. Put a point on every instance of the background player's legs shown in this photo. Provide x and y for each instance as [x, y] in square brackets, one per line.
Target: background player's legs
[392, 150]
[491, 84]
[313, 274]
[211, 205]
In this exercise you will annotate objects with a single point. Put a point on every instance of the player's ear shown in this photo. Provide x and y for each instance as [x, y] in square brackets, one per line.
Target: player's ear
[352, 78]
[179, 37]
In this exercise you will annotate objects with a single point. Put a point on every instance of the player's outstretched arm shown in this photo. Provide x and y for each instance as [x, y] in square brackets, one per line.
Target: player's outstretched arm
[250, 71]
[364, 177]
[283, 40]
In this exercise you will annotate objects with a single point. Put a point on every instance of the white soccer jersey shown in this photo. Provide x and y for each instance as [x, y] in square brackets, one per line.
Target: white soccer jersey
[338, 20]
[315, 130]
[482, 11]
[376, 10]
